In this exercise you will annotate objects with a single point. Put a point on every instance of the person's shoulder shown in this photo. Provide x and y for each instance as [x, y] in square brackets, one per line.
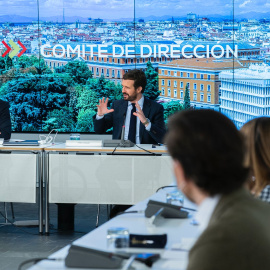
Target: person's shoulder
[118, 104]
[250, 203]
[238, 224]
[153, 103]
[4, 103]
[245, 205]
[241, 216]
[233, 238]
[118, 101]
[265, 194]
[238, 221]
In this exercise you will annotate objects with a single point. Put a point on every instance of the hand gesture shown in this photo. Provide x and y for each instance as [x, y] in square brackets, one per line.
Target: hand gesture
[139, 113]
[102, 107]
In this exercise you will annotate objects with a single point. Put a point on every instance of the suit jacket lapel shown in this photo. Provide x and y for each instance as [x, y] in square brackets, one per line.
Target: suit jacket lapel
[146, 110]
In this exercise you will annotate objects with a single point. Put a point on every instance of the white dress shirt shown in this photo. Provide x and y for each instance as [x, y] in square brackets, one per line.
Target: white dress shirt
[127, 122]
[205, 211]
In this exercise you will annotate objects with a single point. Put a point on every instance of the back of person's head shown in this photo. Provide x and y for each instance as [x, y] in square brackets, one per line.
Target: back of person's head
[137, 76]
[210, 149]
[257, 138]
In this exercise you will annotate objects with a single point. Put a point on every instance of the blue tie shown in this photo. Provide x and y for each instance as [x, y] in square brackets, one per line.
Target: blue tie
[132, 125]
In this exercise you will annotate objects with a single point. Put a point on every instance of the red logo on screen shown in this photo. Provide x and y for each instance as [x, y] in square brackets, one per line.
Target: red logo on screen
[14, 49]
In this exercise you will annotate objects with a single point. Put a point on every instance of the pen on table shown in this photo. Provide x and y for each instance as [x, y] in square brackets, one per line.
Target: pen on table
[135, 241]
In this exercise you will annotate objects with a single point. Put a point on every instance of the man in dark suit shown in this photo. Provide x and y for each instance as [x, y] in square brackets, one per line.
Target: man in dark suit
[208, 154]
[143, 117]
[5, 123]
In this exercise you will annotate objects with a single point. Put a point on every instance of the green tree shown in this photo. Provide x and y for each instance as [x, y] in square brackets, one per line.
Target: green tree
[186, 98]
[32, 97]
[151, 90]
[2, 65]
[105, 88]
[61, 120]
[87, 98]
[6, 63]
[32, 64]
[78, 70]
[28, 61]
[85, 121]
[171, 108]
[9, 75]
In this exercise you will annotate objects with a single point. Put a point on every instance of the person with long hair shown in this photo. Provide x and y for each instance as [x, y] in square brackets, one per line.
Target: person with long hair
[257, 137]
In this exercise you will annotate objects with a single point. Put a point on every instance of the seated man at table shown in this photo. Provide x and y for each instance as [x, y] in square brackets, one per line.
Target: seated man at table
[5, 123]
[143, 118]
[208, 154]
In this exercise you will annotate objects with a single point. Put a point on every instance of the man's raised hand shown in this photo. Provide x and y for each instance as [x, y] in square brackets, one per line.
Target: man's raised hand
[102, 107]
[139, 113]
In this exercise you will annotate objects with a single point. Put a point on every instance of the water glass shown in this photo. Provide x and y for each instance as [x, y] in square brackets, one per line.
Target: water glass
[175, 197]
[117, 237]
[74, 136]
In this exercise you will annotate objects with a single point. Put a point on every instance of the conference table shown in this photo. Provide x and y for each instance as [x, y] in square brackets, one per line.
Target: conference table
[21, 173]
[86, 175]
[181, 234]
[103, 175]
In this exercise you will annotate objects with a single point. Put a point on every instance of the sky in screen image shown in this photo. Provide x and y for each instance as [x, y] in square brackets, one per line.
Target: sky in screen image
[116, 9]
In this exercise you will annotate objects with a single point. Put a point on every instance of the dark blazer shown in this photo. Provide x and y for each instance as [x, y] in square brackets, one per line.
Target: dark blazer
[151, 109]
[237, 237]
[5, 123]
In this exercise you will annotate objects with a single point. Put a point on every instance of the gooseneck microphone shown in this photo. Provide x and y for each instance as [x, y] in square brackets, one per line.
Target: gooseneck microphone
[119, 143]
[122, 143]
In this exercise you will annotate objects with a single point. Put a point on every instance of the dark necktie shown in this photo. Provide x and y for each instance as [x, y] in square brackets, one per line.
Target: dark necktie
[132, 125]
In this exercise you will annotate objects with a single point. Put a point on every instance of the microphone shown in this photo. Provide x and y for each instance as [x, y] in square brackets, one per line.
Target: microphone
[123, 132]
[81, 257]
[123, 142]
[119, 143]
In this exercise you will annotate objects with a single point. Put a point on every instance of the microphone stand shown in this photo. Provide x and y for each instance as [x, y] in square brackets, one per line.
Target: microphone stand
[123, 142]
[119, 143]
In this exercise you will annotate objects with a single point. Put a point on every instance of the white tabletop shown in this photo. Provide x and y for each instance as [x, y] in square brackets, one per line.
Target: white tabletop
[134, 149]
[180, 234]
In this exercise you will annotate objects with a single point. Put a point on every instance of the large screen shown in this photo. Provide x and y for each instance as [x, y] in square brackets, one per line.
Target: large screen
[59, 57]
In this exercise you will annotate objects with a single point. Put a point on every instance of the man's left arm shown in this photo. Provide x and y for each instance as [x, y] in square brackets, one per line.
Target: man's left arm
[155, 125]
[5, 123]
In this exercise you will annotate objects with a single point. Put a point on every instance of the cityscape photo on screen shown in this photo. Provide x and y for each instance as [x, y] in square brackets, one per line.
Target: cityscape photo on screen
[59, 57]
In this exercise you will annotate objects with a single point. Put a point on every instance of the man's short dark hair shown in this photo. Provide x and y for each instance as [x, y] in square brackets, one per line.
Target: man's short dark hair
[210, 149]
[137, 76]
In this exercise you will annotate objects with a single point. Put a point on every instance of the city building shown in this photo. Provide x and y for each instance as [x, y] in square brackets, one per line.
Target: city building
[245, 93]
[200, 75]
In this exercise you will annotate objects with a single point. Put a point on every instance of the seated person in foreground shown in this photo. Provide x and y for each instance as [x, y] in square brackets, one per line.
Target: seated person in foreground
[208, 159]
[257, 135]
[5, 123]
[144, 119]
